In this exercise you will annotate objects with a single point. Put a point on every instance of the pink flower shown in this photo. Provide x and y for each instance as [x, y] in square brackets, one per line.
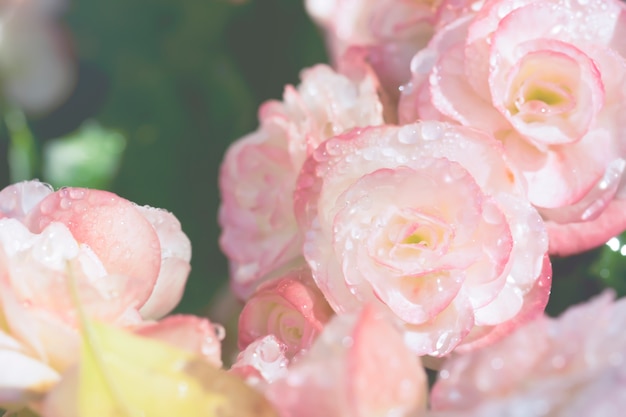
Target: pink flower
[430, 221]
[571, 366]
[359, 366]
[257, 178]
[390, 31]
[290, 307]
[548, 79]
[77, 247]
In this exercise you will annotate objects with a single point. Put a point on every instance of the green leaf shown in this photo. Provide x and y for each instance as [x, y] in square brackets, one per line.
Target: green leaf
[609, 269]
[89, 157]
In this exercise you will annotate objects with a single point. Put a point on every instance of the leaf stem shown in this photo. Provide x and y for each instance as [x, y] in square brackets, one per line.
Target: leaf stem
[90, 344]
[23, 160]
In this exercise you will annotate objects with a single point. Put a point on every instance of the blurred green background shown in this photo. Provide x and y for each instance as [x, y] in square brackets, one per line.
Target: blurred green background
[164, 86]
[176, 81]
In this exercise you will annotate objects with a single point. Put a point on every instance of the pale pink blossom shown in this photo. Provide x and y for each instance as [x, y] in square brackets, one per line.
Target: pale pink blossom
[358, 367]
[81, 250]
[37, 68]
[257, 178]
[548, 79]
[430, 221]
[290, 307]
[389, 31]
[574, 365]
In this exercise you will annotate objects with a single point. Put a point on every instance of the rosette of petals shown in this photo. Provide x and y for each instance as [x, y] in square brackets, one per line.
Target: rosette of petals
[358, 367]
[79, 250]
[257, 178]
[430, 221]
[548, 79]
[36, 64]
[574, 365]
[390, 31]
[290, 307]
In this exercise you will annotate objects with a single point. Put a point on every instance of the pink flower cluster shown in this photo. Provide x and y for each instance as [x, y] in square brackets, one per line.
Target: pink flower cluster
[405, 203]
[395, 210]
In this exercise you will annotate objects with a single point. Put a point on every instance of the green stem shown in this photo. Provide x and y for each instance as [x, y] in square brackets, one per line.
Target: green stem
[22, 148]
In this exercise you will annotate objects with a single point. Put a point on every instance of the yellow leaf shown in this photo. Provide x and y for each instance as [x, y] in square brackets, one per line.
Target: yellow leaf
[125, 375]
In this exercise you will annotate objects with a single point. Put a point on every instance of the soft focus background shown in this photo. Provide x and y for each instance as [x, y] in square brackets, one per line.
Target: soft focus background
[162, 88]
[172, 82]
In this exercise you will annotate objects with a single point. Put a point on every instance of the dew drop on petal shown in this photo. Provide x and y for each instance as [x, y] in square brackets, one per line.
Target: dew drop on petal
[76, 193]
[347, 342]
[431, 130]
[65, 203]
[408, 135]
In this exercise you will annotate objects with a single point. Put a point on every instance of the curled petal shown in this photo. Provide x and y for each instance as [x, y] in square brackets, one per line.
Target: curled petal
[17, 200]
[175, 257]
[572, 238]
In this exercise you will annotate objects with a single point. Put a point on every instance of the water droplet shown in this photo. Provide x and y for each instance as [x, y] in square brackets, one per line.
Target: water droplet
[76, 193]
[431, 130]
[47, 206]
[333, 147]
[497, 363]
[370, 154]
[65, 203]
[347, 342]
[408, 135]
